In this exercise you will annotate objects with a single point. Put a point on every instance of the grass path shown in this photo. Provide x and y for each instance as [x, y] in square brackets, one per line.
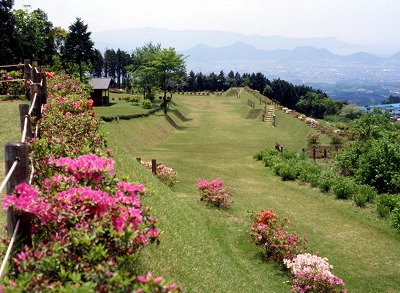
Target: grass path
[207, 250]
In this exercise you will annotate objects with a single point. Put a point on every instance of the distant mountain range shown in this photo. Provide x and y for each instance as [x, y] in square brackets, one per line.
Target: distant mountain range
[130, 39]
[241, 51]
[344, 70]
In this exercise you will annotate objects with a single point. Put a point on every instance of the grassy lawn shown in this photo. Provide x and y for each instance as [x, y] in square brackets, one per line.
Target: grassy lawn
[119, 106]
[9, 132]
[204, 249]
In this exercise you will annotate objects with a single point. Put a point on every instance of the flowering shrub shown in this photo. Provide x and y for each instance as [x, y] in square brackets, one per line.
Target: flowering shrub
[213, 192]
[312, 274]
[82, 235]
[87, 226]
[12, 89]
[67, 127]
[274, 236]
[166, 174]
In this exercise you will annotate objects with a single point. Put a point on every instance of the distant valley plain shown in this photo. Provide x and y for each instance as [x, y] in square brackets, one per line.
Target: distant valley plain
[345, 71]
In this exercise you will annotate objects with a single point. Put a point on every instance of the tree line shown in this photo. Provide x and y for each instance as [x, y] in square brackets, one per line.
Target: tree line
[28, 34]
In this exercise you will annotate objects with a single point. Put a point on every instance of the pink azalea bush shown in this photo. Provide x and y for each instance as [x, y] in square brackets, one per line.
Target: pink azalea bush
[87, 226]
[78, 219]
[279, 243]
[67, 128]
[12, 89]
[166, 174]
[312, 274]
[213, 192]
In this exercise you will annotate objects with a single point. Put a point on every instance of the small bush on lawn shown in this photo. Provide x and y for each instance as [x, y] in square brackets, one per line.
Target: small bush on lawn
[369, 192]
[146, 104]
[165, 174]
[386, 203]
[326, 180]
[308, 170]
[213, 192]
[279, 243]
[287, 170]
[312, 273]
[343, 188]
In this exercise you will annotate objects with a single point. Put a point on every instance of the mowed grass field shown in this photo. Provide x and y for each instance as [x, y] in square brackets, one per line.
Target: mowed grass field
[205, 249]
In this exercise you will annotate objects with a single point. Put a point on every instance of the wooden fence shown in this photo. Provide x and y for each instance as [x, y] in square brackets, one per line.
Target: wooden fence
[16, 153]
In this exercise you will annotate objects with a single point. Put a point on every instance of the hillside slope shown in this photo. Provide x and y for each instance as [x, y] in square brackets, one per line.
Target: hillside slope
[207, 250]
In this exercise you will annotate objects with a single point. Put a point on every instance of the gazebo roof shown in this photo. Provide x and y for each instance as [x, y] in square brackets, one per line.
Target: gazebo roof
[101, 83]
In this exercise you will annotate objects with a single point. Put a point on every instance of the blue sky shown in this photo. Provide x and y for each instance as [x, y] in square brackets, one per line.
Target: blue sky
[365, 22]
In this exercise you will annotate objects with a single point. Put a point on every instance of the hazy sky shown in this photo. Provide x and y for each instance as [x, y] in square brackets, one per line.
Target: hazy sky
[356, 21]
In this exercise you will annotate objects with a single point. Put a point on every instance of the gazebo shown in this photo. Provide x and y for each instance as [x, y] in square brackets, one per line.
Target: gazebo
[101, 94]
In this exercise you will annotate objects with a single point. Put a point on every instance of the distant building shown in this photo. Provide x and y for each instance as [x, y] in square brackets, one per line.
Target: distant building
[393, 109]
[101, 90]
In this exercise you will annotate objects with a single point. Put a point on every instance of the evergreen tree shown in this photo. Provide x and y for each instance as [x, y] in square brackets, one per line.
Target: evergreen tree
[78, 45]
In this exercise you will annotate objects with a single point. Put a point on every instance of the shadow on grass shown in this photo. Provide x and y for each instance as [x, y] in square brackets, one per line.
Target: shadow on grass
[180, 115]
[109, 104]
[172, 122]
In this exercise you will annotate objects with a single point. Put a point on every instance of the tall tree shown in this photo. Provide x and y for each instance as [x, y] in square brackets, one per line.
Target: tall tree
[141, 70]
[110, 63]
[123, 59]
[59, 37]
[34, 33]
[97, 64]
[78, 45]
[170, 68]
[9, 47]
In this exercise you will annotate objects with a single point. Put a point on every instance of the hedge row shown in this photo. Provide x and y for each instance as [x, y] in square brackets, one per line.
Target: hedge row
[129, 117]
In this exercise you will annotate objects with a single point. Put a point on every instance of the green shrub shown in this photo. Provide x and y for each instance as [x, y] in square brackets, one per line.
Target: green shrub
[326, 180]
[308, 171]
[287, 155]
[396, 216]
[150, 96]
[270, 158]
[386, 203]
[343, 188]
[146, 104]
[312, 139]
[360, 199]
[288, 170]
[369, 192]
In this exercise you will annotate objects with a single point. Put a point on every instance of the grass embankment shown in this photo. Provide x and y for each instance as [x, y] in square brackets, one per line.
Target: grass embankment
[207, 250]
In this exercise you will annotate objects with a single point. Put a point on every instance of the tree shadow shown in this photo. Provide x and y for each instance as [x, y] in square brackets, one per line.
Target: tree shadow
[172, 122]
[180, 115]
[108, 105]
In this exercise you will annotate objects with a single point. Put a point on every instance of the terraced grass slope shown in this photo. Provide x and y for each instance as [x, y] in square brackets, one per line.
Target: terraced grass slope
[204, 249]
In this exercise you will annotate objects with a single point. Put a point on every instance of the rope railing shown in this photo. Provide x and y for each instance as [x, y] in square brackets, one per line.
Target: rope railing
[12, 80]
[7, 256]
[9, 174]
[11, 65]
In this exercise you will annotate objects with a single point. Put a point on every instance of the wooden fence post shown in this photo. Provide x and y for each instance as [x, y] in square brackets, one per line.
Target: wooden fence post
[314, 154]
[153, 166]
[27, 77]
[23, 112]
[17, 151]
